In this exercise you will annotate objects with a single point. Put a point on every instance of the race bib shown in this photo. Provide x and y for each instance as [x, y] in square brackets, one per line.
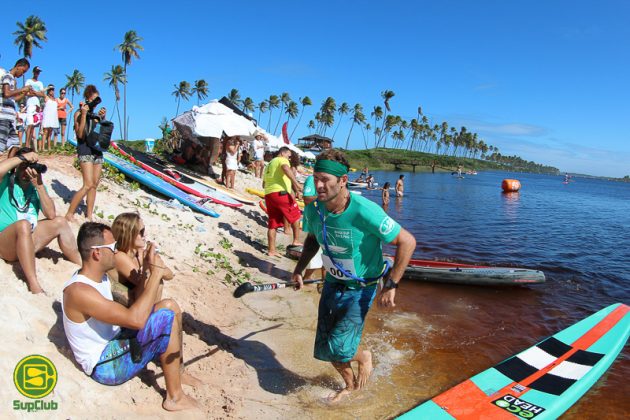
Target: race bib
[347, 264]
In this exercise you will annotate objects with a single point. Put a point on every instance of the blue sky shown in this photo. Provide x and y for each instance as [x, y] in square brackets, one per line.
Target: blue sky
[546, 80]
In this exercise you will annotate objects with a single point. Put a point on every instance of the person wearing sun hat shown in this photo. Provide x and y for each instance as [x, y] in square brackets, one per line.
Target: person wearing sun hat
[258, 148]
[37, 92]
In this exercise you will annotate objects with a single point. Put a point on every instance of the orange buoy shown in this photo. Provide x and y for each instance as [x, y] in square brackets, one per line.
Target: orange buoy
[511, 185]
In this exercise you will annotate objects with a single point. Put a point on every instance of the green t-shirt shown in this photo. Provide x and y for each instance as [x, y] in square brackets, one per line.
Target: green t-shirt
[355, 237]
[309, 187]
[9, 214]
[275, 178]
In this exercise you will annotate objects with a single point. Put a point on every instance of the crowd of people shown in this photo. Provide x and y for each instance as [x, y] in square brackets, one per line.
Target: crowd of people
[33, 116]
[113, 341]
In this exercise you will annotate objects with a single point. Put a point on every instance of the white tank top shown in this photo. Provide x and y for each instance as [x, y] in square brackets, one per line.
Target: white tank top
[88, 339]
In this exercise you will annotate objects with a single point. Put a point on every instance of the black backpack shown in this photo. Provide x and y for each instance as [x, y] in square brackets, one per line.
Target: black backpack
[99, 134]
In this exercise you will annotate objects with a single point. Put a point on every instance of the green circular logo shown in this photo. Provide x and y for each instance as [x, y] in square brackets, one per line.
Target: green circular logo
[502, 404]
[35, 376]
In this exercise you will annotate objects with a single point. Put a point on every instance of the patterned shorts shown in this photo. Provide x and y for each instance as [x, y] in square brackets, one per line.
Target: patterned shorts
[340, 321]
[8, 135]
[97, 160]
[130, 351]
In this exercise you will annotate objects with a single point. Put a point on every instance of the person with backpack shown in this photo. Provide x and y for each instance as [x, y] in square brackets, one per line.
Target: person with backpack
[90, 155]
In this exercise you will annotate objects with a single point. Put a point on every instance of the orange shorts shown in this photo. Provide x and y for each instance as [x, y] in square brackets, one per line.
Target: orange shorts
[280, 207]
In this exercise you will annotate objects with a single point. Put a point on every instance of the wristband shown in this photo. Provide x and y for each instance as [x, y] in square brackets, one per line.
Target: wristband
[22, 158]
[390, 284]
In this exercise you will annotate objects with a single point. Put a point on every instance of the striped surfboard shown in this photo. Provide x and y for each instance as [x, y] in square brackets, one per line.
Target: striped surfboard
[541, 382]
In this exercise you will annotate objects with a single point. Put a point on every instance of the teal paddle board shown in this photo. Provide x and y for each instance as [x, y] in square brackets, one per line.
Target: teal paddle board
[541, 382]
[157, 184]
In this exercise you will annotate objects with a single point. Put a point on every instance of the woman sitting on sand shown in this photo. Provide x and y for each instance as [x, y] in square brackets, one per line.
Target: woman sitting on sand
[129, 231]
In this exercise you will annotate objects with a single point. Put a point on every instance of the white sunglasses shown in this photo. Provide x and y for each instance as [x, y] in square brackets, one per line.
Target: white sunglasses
[111, 247]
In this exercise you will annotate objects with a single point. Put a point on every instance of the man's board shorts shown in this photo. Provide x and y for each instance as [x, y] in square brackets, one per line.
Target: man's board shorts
[8, 135]
[280, 206]
[340, 321]
[130, 351]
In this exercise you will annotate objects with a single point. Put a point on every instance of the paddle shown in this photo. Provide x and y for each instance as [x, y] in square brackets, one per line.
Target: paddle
[247, 287]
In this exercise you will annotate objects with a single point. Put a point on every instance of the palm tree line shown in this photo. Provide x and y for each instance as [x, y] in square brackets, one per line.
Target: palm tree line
[381, 128]
[32, 34]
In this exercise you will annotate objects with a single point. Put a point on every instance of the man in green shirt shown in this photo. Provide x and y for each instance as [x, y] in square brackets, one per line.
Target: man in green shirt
[350, 230]
[22, 197]
[280, 184]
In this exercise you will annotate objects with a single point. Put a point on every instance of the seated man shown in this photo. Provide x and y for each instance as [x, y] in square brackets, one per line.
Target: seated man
[111, 342]
[22, 196]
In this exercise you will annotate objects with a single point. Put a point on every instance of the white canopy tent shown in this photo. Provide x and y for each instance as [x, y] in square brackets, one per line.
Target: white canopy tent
[214, 118]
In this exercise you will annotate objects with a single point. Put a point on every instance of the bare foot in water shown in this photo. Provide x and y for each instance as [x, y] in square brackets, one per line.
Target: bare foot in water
[338, 396]
[190, 380]
[365, 369]
[184, 403]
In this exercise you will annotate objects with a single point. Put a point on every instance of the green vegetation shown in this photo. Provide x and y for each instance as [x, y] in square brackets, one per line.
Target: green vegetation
[397, 159]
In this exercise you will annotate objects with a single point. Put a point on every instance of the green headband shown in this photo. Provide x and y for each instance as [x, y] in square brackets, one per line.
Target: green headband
[331, 167]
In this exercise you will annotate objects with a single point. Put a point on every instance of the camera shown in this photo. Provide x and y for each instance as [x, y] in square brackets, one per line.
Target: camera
[92, 105]
[39, 167]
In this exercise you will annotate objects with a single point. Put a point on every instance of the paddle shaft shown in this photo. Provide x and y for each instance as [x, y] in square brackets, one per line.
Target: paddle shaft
[274, 286]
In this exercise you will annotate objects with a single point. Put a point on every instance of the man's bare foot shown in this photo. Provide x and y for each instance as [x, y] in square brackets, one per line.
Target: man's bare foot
[273, 254]
[335, 397]
[184, 403]
[365, 368]
[190, 380]
[297, 244]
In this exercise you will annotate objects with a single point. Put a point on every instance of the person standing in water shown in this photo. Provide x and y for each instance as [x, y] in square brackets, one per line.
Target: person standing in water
[385, 194]
[351, 231]
[400, 186]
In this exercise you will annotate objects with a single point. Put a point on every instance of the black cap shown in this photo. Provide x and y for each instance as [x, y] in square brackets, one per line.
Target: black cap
[37, 69]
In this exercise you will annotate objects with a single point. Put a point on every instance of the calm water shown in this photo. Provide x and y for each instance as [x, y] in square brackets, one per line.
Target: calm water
[440, 335]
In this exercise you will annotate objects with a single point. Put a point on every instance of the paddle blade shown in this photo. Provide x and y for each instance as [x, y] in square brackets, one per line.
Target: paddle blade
[243, 289]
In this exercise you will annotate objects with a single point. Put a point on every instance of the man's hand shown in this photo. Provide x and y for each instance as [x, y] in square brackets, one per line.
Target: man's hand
[33, 176]
[298, 280]
[30, 157]
[386, 298]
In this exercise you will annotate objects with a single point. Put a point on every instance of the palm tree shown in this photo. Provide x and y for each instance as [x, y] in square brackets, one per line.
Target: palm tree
[387, 95]
[129, 50]
[115, 76]
[292, 110]
[305, 101]
[377, 114]
[263, 106]
[284, 102]
[181, 92]
[341, 111]
[30, 34]
[311, 125]
[357, 118]
[74, 84]
[274, 102]
[327, 114]
[200, 89]
[249, 105]
[235, 97]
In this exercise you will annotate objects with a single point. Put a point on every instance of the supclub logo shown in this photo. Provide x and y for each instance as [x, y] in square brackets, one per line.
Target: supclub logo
[387, 225]
[35, 376]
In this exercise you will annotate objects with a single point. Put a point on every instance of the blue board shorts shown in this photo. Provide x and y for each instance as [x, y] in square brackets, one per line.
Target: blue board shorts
[130, 351]
[341, 317]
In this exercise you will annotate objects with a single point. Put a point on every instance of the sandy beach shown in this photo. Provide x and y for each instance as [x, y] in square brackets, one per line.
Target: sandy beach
[253, 352]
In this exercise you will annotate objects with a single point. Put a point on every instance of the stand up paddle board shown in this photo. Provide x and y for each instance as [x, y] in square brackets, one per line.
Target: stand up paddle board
[541, 382]
[156, 184]
[154, 166]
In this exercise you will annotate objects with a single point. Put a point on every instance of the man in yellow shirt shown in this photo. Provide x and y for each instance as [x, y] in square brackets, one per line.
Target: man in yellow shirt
[279, 182]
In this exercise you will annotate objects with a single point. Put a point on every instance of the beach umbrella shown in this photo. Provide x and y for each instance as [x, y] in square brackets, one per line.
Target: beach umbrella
[214, 118]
